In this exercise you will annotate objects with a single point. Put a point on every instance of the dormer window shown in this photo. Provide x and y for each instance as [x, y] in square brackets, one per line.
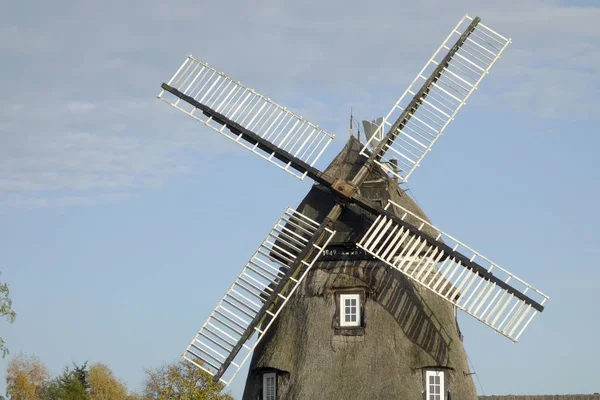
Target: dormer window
[350, 310]
[349, 317]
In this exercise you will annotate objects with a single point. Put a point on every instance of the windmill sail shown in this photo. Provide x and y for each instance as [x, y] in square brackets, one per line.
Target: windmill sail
[258, 295]
[222, 103]
[486, 293]
[432, 100]
[372, 128]
[397, 143]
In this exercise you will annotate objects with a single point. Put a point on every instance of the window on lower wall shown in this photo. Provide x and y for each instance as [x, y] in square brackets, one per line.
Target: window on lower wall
[434, 385]
[269, 386]
[350, 310]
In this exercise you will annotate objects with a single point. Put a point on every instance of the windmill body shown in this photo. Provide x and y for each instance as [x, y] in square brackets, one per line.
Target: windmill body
[404, 331]
[353, 294]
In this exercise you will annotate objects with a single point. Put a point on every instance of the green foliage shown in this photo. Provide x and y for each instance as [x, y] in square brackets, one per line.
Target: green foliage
[28, 379]
[7, 312]
[81, 372]
[70, 385]
[181, 381]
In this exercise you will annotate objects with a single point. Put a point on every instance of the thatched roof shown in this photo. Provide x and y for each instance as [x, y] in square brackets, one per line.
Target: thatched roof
[406, 328]
[378, 187]
[355, 221]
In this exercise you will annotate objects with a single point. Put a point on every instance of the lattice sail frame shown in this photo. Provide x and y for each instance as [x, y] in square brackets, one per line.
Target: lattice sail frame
[244, 299]
[449, 278]
[440, 103]
[251, 110]
[198, 89]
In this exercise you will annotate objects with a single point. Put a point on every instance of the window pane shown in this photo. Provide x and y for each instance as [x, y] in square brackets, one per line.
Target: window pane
[434, 385]
[269, 387]
[349, 311]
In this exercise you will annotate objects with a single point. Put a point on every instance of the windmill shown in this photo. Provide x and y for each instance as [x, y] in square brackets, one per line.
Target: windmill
[352, 294]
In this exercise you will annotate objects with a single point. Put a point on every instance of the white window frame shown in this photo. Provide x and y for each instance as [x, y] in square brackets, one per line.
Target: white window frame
[267, 395]
[343, 298]
[430, 387]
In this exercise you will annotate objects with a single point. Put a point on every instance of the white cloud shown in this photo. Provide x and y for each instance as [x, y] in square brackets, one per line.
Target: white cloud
[80, 107]
[81, 115]
[24, 202]
[108, 198]
[91, 199]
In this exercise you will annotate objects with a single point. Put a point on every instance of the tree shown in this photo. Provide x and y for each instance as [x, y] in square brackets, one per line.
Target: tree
[70, 385]
[103, 385]
[182, 381]
[26, 377]
[7, 312]
[81, 373]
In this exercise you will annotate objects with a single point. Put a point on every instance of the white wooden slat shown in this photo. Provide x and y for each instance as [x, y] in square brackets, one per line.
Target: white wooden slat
[253, 111]
[454, 85]
[452, 279]
[244, 300]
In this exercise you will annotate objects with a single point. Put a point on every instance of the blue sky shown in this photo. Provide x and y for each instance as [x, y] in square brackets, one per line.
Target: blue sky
[122, 221]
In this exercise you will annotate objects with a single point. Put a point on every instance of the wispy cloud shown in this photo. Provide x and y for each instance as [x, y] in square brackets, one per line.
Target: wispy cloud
[90, 199]
[80, 114]
[106, 198]
[80, 107]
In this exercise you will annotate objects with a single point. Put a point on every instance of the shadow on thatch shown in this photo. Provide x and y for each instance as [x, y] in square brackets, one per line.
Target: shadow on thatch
[399, 297]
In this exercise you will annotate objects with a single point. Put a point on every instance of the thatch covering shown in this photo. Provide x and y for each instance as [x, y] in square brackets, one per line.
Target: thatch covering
[405, 329]
[378, 187]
